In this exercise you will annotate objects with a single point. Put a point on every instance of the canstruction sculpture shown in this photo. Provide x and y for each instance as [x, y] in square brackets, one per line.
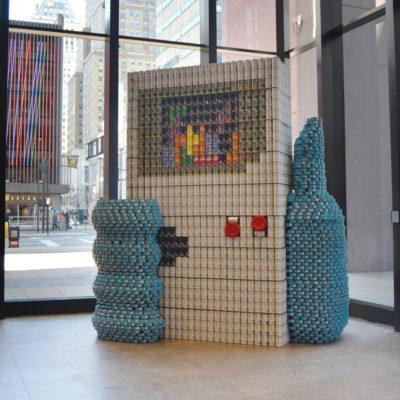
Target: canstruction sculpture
[127, 255]
[317, 296]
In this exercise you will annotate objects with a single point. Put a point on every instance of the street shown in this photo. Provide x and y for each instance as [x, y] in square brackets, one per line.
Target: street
[76, 239]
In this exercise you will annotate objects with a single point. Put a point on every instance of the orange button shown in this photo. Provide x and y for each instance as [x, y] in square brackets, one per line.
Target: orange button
[232, 229]
[259, 223]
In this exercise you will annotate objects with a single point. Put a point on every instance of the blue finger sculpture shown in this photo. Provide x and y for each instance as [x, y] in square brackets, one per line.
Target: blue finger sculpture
[317, 295]
[127, 255]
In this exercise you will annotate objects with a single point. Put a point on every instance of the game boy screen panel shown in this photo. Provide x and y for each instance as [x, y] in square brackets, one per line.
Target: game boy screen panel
[201, 129]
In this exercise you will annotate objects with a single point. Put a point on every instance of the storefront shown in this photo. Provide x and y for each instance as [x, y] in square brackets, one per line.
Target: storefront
[21, 208]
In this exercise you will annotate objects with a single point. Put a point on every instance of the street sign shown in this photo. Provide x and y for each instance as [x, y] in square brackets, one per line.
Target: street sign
[72, 161]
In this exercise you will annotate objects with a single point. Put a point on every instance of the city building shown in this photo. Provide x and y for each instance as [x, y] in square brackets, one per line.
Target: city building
[178, 21]
[34, 120]
[137, 18]
[75, 112]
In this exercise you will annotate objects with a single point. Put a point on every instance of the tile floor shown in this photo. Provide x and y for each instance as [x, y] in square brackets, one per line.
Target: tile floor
[59, 357]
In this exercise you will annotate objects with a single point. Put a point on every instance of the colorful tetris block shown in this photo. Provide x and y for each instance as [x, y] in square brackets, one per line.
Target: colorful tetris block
[212, 144]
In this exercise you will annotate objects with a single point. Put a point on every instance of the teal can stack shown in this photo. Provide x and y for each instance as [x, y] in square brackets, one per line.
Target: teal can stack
[127, 287]
[316, 261]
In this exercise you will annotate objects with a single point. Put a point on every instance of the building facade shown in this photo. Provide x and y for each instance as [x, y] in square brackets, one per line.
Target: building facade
[178, 20]
[136, 19]
[34, 118]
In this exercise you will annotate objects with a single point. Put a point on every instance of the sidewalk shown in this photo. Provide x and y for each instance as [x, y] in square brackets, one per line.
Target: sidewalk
[76, 230]
[49, 275]
[49, 283]
[66, 269]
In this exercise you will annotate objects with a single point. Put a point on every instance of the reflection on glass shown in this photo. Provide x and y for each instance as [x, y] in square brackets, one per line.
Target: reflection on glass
[355, 8]
[246, 24]
[302, 22]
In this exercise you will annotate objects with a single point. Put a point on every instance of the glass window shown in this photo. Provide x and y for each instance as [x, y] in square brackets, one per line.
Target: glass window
[57, 265]
[174, 20]
[257, 27]
[368, 167]
[354, 8]
[302, 22]
[303, 77]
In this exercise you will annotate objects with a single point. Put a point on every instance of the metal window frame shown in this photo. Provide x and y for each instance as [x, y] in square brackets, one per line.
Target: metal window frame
[4, 7]
[341, 29]
[282, 26]
[393, 43]
[111, 65]
[209, 50]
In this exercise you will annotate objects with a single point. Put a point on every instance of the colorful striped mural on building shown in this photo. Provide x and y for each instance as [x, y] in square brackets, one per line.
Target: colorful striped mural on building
[34, 83]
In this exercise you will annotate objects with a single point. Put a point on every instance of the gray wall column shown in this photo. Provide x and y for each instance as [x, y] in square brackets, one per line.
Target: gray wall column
[331, 95]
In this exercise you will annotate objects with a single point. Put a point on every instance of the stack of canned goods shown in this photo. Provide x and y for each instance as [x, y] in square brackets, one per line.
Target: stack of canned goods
[317, 293]
[127, 255]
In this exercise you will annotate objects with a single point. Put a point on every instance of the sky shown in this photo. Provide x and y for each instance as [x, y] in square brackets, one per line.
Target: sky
[25, 9]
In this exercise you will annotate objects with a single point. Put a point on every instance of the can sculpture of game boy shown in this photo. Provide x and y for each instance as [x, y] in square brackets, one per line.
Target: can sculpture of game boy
[212, 144]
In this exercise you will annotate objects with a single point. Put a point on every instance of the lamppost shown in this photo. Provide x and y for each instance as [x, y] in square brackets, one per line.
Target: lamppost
[42, 172]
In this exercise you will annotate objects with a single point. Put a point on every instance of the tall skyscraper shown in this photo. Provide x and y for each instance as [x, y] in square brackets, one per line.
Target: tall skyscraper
[75, 113]
[178, 20]
[33, 129]
[34, 105]
[48, 11]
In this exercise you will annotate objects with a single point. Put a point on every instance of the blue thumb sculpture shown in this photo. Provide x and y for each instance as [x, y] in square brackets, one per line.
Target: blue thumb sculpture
[127, 255]
[318, 298]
